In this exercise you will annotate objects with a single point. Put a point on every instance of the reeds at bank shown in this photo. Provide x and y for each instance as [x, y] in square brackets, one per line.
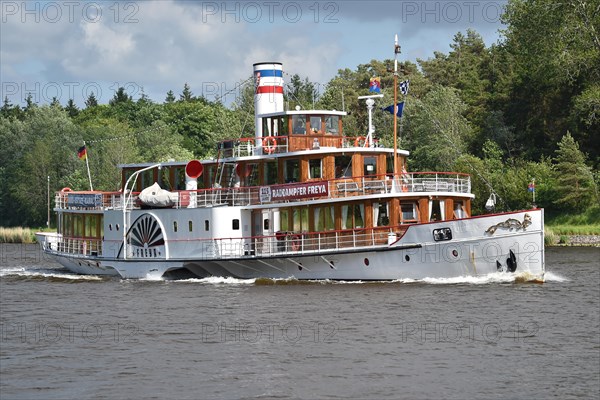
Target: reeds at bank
[17, 235]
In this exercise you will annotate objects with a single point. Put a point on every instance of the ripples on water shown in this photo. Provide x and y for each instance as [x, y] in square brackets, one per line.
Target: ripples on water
[501, 335]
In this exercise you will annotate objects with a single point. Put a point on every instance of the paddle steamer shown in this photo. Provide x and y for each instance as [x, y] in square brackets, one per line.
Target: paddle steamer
[303, 199]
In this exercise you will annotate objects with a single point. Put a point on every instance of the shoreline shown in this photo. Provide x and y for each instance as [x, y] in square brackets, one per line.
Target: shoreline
[575, 241]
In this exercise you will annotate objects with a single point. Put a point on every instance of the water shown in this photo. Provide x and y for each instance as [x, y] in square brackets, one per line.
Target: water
[65, 336]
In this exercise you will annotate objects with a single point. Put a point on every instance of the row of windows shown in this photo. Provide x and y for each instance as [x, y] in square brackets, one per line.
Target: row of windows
[317, 124]
[81, 225]
[235, 225]
[352, 216]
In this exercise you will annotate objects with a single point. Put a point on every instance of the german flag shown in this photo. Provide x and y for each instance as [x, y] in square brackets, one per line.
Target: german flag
[82, 153]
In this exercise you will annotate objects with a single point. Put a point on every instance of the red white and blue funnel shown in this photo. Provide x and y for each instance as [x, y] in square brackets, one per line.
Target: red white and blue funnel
[268, 94]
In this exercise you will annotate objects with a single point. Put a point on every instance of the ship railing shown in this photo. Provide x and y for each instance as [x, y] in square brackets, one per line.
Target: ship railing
[58, 244]
[414, 182]
[244, 147]
[294, 243]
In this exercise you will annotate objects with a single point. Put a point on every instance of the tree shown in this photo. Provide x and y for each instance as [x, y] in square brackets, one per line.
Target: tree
[120, 97]
[9, 110]
[555, 49]
[91, 101]
[575, 183]
[302, 93]
[170, 97]
[436, 132]
[55, 103]
[29, 104]
[186, 95]
[72, 109]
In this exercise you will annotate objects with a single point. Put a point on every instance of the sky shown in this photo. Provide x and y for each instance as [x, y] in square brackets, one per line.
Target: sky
[69, 49]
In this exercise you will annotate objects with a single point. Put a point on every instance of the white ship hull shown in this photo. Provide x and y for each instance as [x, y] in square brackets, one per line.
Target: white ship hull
[515, 243]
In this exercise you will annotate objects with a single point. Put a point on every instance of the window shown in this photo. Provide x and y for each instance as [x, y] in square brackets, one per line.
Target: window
[353, 216]
[300, 219]
[147, 178]
[163, 179]
[370, 166]
[299, 124]
[291, 170]
[381, 213]
[174, 226]
[235, 225]
[408, 211]
[315, 124]
[459, 210]
[324, 218]
[284, 220]
[343, 167]
[253, 177]
[436, 210]
[206, 225]
[180, 178]
[332, 124]
[266, 224]
[314, 169]
[78, 225]
[190, 226]
[270, 177]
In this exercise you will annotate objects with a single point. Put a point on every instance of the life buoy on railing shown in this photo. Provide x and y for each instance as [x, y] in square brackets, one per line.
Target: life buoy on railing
[296, 241]
[269, 144]
[358, 140]
[66, 189]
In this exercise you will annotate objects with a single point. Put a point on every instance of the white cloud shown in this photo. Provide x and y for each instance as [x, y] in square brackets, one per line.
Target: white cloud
[160, 45]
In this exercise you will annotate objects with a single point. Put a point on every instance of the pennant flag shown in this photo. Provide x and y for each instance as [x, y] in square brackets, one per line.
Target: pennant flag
[82, 153]
[399, 108]
[375, 85]
[531, 187]
[404, 87]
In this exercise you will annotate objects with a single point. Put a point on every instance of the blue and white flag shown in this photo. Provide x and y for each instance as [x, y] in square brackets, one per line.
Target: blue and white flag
[404, 87]
[399, 108]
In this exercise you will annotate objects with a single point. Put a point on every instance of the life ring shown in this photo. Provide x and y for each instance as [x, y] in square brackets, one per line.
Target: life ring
[269, 144]
[66, 189]
[358, 140]
[295, 242]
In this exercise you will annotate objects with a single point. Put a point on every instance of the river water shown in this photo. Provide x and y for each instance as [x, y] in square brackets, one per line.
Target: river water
[65, 336]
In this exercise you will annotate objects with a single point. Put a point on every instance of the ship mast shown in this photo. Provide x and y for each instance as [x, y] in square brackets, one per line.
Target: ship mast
[396, 52]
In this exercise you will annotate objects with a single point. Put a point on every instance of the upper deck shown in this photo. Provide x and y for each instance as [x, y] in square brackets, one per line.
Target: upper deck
[409, 185]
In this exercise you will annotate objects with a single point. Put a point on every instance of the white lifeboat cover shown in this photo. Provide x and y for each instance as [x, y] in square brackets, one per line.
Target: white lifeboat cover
[154, 196]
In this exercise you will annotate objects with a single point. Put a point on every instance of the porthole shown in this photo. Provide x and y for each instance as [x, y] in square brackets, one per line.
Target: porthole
[407, 257]
[367, 262]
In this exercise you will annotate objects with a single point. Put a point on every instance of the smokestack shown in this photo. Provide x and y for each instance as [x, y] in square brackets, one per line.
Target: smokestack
[268, 95]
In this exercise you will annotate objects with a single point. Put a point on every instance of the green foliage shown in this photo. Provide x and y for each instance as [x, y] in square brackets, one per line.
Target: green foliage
[575, 186]
[436, 132]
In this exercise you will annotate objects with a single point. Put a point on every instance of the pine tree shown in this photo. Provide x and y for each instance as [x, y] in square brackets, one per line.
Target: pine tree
[55, 103]
[91, 101]
[71, 108]
[170, 97]
[575, 184]
[186, 95]
[120, 96]
[29, 102]
[9, 110]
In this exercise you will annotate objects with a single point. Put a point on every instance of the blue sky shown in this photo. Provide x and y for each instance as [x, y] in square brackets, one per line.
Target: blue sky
[67, 49]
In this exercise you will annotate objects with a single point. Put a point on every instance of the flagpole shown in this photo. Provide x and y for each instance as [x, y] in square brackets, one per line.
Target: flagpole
[396, 51]
[87, 164]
